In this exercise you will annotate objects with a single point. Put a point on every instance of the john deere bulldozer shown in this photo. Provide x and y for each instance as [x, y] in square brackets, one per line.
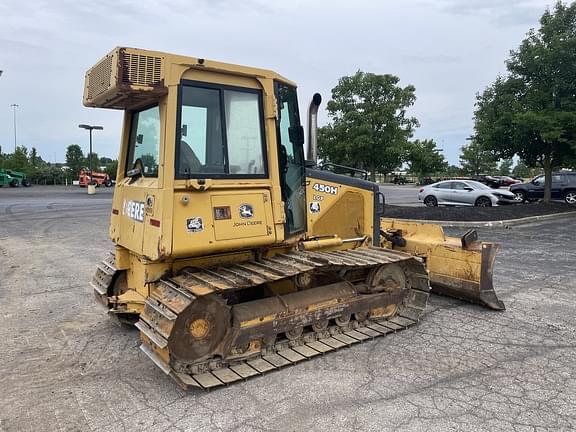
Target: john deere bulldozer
[234, 254]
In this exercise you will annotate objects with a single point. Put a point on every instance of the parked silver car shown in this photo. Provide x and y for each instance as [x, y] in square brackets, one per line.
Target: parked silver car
[463, 192]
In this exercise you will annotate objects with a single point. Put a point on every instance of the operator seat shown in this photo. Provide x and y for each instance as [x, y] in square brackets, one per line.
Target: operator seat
[189, 162]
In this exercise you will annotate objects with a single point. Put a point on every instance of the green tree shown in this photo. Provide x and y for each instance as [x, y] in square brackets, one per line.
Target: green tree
[368, 124]
[505, 167]
[531, 112]
[521, 170]
[475, 159]
[423, 158]
[2, 158]
[95, 162]
[524, 171]
[34, 158]
[18, 160]
[112, 169]
[74, 159]
[453, 171]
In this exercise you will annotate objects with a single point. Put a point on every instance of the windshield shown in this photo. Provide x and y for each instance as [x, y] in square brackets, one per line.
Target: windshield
[220, 133]
[478, 185]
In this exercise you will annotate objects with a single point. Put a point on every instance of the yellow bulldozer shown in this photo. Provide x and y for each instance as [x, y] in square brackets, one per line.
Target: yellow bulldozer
[234, 253]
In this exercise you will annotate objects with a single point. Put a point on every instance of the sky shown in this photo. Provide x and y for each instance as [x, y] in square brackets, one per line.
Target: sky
[448, 49]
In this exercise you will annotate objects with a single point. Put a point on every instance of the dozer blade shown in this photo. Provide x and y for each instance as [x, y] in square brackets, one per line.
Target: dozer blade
[458, 267]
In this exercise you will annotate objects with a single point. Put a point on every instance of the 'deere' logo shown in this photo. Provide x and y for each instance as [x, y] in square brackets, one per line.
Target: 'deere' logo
[246, 211]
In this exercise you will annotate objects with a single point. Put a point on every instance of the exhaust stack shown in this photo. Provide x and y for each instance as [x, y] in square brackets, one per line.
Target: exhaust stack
[312, 153]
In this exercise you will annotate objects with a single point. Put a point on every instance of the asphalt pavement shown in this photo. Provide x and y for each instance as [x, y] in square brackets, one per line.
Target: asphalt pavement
[66, 366]
[405, 195]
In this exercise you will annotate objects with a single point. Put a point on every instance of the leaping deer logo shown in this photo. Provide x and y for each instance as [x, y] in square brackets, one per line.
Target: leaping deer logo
[246, 211]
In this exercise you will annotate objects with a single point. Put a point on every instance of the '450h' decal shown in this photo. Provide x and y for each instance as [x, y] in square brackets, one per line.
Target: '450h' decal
[319, 187]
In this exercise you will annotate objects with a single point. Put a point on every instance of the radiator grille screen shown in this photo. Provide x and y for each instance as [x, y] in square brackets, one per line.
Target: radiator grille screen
[100, 77]
[140, 69]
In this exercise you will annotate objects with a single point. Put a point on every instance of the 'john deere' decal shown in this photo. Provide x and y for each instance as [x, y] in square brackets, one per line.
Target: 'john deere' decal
[134, 210]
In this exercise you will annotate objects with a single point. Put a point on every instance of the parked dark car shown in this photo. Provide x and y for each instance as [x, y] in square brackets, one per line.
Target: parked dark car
[488, 180]
[563, 187]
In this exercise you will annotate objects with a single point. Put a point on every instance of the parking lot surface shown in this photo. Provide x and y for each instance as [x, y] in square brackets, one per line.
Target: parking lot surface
[405, 195]
[66, 366]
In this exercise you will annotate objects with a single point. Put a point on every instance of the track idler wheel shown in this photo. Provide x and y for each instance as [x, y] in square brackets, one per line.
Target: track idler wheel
[386, 278]
[200, 330]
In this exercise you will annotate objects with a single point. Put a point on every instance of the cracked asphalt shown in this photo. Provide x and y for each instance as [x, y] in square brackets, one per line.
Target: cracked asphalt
[65, 366]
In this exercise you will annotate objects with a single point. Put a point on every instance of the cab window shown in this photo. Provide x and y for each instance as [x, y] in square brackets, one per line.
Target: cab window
[144, 144]
[220, 133]
[291, 158]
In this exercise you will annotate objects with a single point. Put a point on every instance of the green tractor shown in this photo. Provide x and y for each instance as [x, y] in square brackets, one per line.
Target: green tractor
[13, 178]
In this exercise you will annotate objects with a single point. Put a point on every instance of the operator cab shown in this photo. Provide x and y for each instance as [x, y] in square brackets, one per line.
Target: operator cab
[212, 154]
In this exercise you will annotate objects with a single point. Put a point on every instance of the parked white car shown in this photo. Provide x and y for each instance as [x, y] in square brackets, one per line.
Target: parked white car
[463, 192]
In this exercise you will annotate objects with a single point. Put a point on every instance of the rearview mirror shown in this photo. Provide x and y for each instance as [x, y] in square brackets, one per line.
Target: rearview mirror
[468, 188]
[296, 135]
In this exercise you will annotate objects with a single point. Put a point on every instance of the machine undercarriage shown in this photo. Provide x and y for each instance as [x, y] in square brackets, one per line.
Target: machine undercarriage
[209, 327]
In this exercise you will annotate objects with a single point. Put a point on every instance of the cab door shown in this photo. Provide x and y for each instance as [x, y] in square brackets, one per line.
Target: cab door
[536, 187]
[290, 138]
[136, 197]
[443, 192]
[558, 181]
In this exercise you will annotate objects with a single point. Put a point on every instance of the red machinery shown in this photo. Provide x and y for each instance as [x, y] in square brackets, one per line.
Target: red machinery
[98, 178]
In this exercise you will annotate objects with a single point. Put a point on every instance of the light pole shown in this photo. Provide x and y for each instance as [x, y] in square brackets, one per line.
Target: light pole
[14, 106]
[90, 128]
